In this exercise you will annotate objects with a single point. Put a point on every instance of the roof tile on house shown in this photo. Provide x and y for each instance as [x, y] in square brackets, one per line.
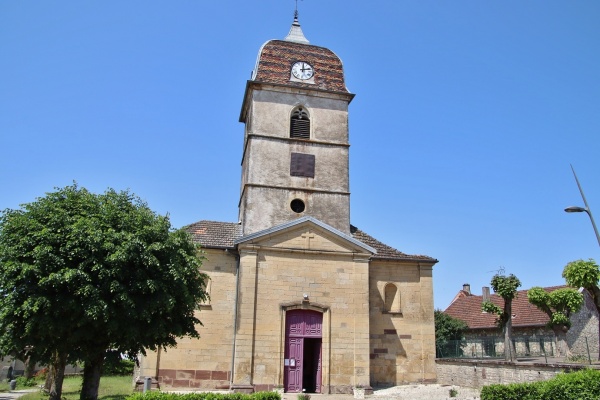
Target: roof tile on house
[525, 314]
[384, 251]
[276, 58]
[214, 234]
[221, 235]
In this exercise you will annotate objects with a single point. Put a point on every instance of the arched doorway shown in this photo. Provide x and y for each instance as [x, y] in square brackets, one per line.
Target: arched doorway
[303, 342]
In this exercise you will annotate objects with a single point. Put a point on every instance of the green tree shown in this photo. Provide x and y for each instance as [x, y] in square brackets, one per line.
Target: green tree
[447, 328]
[584, 274]
[506, 287]
[81, 273]
[558, 305]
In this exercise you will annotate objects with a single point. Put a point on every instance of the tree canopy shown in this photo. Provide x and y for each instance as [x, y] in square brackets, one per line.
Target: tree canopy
[584, 274]
[81, 273]
[558, 305]
[447, 328]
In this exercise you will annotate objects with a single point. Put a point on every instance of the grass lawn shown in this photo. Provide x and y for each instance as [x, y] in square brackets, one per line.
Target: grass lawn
[111, 388]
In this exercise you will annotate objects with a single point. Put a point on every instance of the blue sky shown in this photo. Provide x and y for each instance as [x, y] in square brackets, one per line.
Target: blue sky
[466, 117]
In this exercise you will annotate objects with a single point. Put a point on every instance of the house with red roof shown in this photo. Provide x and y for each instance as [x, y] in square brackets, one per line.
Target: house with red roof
[530, 331]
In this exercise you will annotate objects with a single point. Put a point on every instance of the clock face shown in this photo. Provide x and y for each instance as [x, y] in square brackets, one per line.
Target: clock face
[302, 70]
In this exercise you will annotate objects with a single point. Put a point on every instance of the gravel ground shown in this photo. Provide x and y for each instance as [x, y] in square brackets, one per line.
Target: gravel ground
[425, 392]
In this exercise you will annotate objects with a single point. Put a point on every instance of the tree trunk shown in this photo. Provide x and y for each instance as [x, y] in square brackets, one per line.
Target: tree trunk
[91, 376]
[560, 336]
[509, 349]
[29, 367]
[57, 372]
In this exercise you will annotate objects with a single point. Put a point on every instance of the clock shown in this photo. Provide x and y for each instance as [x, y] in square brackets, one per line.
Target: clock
[302, 70]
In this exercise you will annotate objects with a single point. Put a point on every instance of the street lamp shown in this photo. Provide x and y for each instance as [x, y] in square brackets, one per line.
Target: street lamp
[586, 209]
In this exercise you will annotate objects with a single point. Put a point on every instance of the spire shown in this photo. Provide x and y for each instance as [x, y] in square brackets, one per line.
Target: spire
[296, 34]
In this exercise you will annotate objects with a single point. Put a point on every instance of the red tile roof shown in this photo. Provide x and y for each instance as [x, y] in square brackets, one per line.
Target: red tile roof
[221, 235]
[525, 314]
[385, 252]
[213, 234]
[277, 57]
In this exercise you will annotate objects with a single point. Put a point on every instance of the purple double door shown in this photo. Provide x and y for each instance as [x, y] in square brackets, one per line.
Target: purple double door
[303, 339]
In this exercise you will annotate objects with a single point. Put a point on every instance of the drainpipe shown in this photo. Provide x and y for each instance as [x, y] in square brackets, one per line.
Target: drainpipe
[235, 311]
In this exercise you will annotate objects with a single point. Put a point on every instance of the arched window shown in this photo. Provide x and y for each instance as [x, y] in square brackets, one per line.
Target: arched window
[392, 298]
[300, 124]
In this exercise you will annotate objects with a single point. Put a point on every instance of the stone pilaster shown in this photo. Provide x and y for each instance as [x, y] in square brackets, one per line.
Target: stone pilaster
[246, 319]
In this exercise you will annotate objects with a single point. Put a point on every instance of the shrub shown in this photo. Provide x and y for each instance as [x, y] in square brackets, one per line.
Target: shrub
[22, 382]
[204, 396]
[513, 391]
[583, 384]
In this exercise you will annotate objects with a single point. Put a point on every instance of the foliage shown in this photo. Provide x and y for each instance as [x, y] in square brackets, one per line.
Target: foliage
[558, 304]
[81, 273]
[447, 328]
[581, 273]
[111, 388]
[453, 392]
[585, 274]
[584, 384]
[115, 364]
[513, 391]
[505, 287]
[154, 395]
[489, 307]
[24, 382]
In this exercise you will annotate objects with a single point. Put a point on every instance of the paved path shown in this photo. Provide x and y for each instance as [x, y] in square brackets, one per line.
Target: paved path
[15, 394]
[403, 392]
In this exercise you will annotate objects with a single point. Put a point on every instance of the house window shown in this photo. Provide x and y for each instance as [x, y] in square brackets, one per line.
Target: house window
[300, 124]
[392, 299]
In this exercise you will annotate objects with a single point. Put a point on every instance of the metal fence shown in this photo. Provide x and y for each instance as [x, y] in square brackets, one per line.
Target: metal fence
[493, 347]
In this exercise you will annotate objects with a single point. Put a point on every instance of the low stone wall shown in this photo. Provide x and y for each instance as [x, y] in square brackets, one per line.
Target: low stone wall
[478, 373]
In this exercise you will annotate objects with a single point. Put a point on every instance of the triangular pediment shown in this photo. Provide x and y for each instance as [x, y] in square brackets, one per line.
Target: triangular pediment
[306, 233]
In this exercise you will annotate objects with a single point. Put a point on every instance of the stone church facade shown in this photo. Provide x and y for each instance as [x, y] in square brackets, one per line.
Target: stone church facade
[300, 298]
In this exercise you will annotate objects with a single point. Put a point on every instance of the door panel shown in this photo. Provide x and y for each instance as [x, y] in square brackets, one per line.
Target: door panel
[302, 325]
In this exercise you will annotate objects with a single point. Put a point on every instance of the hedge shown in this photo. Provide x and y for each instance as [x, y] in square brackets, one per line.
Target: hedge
[581, 385]
[157, 395]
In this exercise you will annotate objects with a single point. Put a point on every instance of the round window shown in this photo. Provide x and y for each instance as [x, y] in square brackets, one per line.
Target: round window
[297, 206]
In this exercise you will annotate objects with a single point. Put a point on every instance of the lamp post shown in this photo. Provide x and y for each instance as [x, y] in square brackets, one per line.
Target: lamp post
[586, 209]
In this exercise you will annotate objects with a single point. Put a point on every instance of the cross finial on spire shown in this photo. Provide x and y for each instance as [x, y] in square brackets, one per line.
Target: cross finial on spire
[296, 34]
[296, 11]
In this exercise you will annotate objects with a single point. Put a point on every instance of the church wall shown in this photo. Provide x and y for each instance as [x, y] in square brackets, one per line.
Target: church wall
[204, 362]
[269, 163]
[328, 114]
[402, 334]
[267, 207]
[334, 284]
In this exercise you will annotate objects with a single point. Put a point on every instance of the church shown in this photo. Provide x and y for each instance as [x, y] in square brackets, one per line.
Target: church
[300, 299]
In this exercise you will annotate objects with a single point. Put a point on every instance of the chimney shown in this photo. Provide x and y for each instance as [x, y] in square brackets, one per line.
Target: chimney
[467, 289]
[486, 293]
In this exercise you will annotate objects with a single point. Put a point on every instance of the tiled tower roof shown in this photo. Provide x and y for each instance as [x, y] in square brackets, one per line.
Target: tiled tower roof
[276, 57]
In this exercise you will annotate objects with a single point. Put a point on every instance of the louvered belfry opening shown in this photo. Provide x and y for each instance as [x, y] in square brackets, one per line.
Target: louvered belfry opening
[300, 124]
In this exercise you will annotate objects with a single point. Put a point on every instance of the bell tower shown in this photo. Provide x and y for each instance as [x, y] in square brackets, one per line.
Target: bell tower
[295, 157]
